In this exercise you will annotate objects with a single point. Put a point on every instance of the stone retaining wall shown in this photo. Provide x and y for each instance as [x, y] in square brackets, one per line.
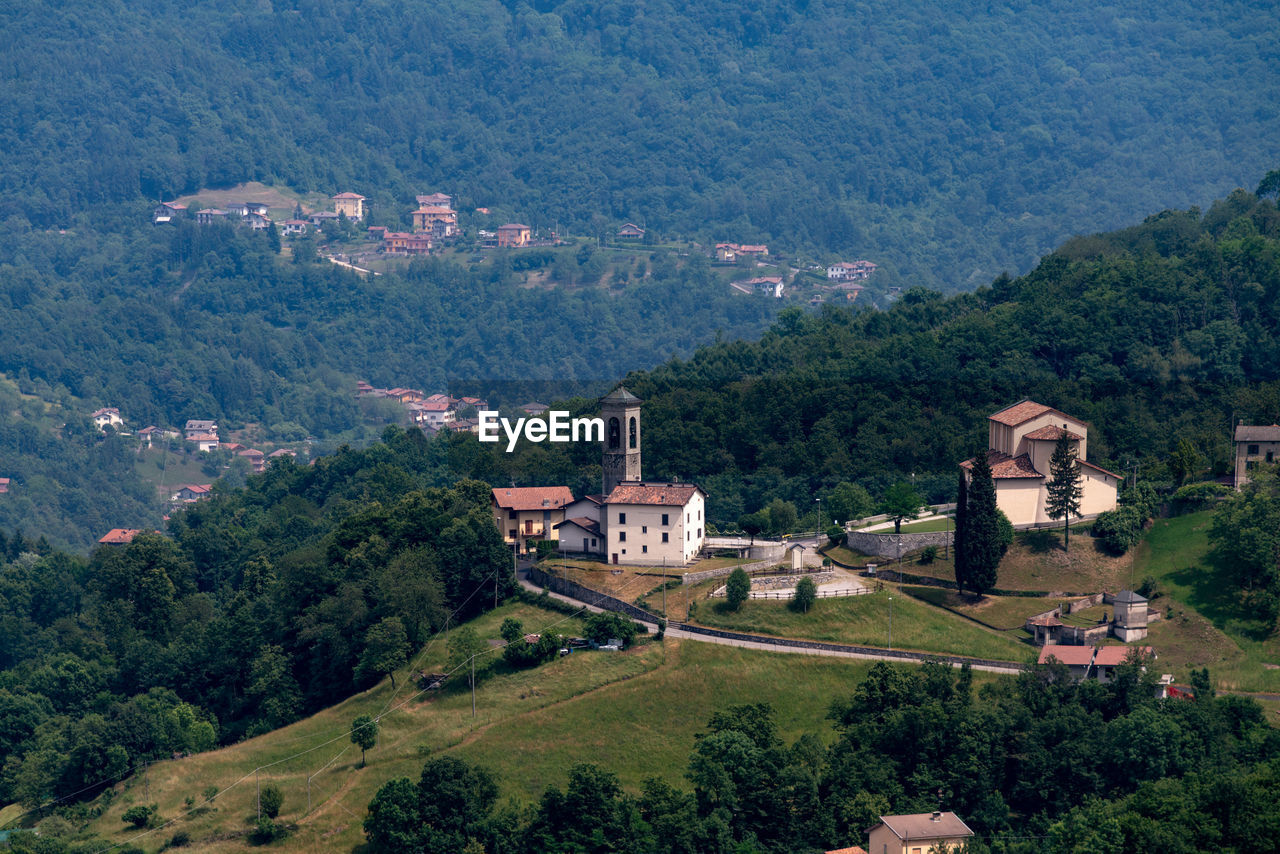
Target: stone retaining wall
[748, 568]
[592, 597]
[885, 544]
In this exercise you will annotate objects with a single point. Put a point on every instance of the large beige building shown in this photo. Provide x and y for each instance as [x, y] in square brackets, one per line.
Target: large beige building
[1021, 439]
[351, 204]
[654, 524]
[1255, 445]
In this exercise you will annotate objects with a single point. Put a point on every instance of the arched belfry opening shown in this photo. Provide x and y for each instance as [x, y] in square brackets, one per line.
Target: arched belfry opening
[621, 463]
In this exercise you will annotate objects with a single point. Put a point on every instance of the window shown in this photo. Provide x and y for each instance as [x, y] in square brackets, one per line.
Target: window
[688, 535]
[1253, 450]
[644, 550]
[622, 518]
[622, 536]
[666, 519]
[699, 533]
[665, 537]
[633, 438]
[615, 433]
[1271, 456]
[699, 514]
[644, 529]
[511, 514]
[593, 542]
[511, 534]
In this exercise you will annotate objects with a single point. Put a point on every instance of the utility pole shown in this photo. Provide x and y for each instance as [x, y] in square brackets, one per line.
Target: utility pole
[473, 686]
[664, 587]
[890, 624]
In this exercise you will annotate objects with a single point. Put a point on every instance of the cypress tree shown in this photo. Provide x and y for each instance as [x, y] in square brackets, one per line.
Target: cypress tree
[982, 529]
[957, 544]
[1064, 486]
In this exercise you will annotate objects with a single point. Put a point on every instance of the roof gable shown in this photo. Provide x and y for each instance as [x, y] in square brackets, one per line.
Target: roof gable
[533, 497]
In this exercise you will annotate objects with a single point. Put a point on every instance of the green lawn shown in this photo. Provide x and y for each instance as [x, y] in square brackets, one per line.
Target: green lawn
[928, 526]
[1206, 603]
[1000, 612]
[865, 620]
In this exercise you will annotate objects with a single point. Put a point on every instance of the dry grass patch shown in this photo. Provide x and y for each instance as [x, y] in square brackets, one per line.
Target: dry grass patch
[1036, 561]
[1005, 613]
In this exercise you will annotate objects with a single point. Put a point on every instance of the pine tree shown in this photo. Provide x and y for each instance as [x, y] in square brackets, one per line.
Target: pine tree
[962, 523]
[1064, 485]
[982, 529]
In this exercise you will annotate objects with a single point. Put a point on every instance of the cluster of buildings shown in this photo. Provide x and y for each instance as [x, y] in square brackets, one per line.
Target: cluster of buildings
[631, 521]
[429, 411]
[850, 271]
[729, 253]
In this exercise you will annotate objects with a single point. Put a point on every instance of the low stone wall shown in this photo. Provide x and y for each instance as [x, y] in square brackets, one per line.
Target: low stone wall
[885, 544]
[592, 597]
[706, 574]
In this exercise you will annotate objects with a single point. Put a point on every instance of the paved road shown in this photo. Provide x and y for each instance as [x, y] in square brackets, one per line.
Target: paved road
[745, 641]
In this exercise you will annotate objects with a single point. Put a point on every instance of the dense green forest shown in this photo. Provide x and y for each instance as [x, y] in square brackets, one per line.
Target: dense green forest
[946, 142]
[1155, 334]
[258, 608]
[1033, 764]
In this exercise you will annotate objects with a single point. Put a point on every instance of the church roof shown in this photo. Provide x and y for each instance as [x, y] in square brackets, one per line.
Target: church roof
[620, 395]
[1051, 433]
[1005, 466]
[1128, 597]
[1023, 411]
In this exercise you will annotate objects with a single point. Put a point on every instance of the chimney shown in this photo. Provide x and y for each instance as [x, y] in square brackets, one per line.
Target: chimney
[937, 816]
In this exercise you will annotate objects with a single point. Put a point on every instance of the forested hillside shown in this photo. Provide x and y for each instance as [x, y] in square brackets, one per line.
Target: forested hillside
[258, 609]
[946, 142]
[1165, 331]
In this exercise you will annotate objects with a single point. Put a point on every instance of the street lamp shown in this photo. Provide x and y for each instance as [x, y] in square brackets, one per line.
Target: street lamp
[819, 500]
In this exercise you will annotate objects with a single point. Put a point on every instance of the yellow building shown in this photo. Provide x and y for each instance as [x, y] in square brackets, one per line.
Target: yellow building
[351, 204]
[530, 513]
[1021, 439]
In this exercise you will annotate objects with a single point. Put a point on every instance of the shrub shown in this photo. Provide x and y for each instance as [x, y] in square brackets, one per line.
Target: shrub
[738, 589]
[835, 535]
[181, 839]
[1006, 531]
[1142, 497]
[1119, 530]
[271, 799]
[1197, 496]
[138, 816]
[928, 555]
[806, 594]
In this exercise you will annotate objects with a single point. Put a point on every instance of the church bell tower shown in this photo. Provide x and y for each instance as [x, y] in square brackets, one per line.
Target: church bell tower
[621, 413]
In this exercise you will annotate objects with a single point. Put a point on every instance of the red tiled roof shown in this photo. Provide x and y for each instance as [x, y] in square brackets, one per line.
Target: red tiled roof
[120, 536]
[1005, 466]
[1020, 412]
[1046, 620]
[533, 497]
[511, 225]
[1111, 656]
[348, 196]
[857, 849]
[667, 494]
[1051, 434]
[589, 525]
[1077, 656]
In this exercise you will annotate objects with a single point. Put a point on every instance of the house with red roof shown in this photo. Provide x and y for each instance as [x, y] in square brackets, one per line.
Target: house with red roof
[654, 524]
[121, 536]
[921, 833]
[351, 204]
[1021, 439]
[192, 492]
[1094, 662]
[529, 513]
[514, 235]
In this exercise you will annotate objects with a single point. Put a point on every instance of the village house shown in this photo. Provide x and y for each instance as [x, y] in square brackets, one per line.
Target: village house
[529, 513]
[376, 232]
[768, 285]
[514, 235]
[256, 209]
[204, 442]
[256, 458]
[121, 536]
[192, 492]
[534, 408]
[107, 417]
[4, 485]
[728, 253]
[209, 216]
[850, 271]
[631, 231]
[321, 219]
[654, 524]
[351, 204]
[435, 219]
[1093, 662]
[200, 427]
[280, 453]
[435, 200]
[168, 212]
[1021, 440]
[294, 227]
[1255, 446]
[257, 222]
[404, 243]
[922, 833]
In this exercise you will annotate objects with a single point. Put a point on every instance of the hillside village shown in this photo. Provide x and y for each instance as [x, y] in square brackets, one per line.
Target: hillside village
[435, 228]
